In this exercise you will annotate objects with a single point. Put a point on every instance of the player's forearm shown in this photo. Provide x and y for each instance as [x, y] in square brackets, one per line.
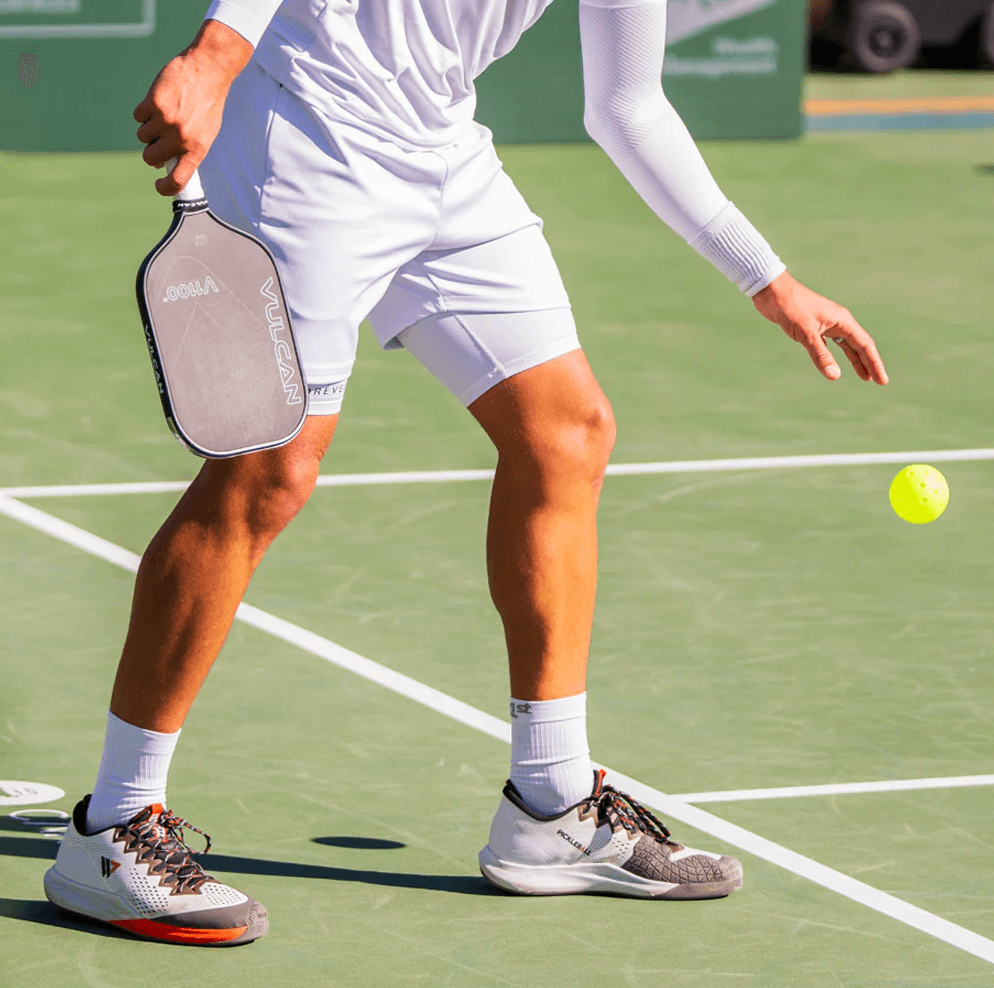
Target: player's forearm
[628, 114]
[249, 18]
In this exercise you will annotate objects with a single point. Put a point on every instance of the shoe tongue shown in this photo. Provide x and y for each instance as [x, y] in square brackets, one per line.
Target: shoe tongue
[150, 814]
[155, 812]
[598, 782]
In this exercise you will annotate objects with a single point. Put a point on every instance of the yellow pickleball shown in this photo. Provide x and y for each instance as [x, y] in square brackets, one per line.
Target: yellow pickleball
[919, 494]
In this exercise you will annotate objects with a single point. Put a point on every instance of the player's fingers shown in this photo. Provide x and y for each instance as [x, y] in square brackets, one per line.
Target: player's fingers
[149, 130]
[873, 362]
[143, 110]
[853, 356]
[159, 151]
[861, 346]
[167, 186]
[821, 357]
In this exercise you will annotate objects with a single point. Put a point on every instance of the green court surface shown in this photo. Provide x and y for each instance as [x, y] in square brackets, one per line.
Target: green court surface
[756, 629]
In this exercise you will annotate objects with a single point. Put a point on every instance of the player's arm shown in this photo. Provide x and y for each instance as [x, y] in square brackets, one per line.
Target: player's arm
[628, 115]
[181, 114]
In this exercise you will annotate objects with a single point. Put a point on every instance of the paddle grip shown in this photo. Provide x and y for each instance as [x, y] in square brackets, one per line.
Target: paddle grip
[193, 189]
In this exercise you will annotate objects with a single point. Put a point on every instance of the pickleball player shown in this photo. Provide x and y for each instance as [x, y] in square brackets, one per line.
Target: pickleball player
[343, 135]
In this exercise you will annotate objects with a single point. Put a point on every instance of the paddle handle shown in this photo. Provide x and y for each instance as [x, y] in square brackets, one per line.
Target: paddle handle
[192, 190]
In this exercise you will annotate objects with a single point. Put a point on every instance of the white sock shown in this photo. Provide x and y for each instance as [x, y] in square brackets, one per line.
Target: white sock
[132, 773]
[550, 758]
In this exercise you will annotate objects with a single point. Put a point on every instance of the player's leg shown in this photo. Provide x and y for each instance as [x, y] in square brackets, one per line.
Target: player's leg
[122, 859]
[196, 570]
[554, 430]
[525, 379]
[558, 828]
[190, 581]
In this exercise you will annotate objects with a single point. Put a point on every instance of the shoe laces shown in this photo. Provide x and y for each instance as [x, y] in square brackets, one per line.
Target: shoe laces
[156, 838]
[614, 807]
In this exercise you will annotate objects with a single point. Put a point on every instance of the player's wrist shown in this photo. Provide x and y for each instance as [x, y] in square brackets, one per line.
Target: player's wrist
[739, 251]
[776, 292]
[220, 49]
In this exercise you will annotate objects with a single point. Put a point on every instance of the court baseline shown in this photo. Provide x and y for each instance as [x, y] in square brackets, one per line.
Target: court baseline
[672, 806]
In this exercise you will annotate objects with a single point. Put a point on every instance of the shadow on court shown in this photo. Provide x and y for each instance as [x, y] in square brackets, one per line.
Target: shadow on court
[45, 848]
[10, 823]
[45, 914]
[29, 847]
[360, 843]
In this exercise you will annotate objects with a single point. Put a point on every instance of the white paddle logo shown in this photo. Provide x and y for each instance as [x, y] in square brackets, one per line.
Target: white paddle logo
[190, 290]
[281, 347]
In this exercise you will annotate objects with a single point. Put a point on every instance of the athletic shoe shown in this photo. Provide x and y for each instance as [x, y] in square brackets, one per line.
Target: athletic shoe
[607, 843]
[142, 878]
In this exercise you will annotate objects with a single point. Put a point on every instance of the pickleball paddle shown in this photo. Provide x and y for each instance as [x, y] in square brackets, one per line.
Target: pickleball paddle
[219, 334]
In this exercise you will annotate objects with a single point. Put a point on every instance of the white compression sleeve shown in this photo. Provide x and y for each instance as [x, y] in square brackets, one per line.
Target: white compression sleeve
[629, 116]
[249, 18]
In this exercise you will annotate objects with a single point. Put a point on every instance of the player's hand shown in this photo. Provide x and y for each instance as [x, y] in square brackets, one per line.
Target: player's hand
[181, 114]
[812, 320]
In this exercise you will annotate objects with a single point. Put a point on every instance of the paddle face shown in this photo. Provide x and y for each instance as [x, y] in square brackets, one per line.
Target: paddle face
[219, 335]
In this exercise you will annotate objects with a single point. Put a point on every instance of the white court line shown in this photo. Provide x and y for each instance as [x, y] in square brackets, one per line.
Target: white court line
[81, 490]
[671, 806]
[73, 534]
[836, 789]
[614, 470]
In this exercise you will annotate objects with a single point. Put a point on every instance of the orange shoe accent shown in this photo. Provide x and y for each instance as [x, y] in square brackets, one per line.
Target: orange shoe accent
[178, 934]
[600, 781]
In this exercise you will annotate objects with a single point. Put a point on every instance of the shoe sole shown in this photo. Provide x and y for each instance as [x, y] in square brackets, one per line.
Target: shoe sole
[600, 877]
[91, 904]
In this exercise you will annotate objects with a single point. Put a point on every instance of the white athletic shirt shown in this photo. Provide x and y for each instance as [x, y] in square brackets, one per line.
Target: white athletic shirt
[404, 70]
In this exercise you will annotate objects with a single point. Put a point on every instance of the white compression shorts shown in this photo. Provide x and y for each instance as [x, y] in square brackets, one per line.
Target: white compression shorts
[438, 240]
[471, 352]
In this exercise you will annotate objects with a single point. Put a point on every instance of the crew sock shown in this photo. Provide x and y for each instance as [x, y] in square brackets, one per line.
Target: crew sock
[550, 758]
[132, 773]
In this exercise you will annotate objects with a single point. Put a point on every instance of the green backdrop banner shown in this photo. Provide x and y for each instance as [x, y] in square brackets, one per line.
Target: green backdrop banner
[71, 71]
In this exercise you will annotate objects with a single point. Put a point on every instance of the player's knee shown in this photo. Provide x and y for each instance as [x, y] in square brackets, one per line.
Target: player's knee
[578, 445]
[283, 495]
[597, 435]
[263, 502]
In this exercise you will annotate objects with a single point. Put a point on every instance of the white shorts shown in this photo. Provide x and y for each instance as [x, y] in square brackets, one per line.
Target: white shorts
[406, 237]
